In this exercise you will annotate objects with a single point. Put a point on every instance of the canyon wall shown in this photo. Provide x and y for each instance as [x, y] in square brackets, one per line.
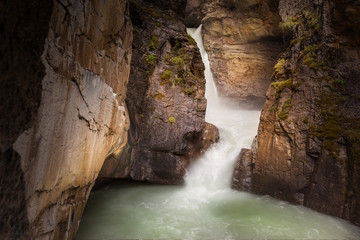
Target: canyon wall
[307, 148]
[165, 98]
[243, 41]
[66, 88]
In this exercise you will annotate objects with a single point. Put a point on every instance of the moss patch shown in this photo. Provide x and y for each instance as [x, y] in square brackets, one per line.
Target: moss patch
[279, 66]
[151, 59]
[154, 42]
[281, 85]
[284, 114]
[166, 75]
[171, 120]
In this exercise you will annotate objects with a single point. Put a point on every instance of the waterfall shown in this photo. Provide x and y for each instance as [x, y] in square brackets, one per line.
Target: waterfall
[211, 92]
[206, 207]
[237, 128]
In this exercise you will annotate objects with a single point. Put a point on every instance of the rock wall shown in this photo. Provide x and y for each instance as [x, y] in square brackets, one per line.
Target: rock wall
[165, 99]
[307, 149]
[243, 41]
[81, 118]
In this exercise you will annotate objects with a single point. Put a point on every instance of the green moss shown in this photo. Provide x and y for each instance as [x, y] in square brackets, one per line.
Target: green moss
[332, 147]
[333, 124]
[309, 56]
[189, 91]
[281, 85]
[190, 39]
[159, 96]
[294, 42]
[154, 42]
[151, 59]
[312, 49]
[279, 66]
[283, 115]
[171, 120]
[166, 75]
[312, 20]
[158, 24]
[285, 109]
[312, 63]
[179, 61]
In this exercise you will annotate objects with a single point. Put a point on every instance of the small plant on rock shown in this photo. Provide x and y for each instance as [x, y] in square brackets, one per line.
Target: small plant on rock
[171, 120]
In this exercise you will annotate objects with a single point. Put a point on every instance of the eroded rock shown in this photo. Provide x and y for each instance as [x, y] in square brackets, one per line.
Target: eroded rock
[243, 41]
[309, 132]
[82, 116]
[165, 99]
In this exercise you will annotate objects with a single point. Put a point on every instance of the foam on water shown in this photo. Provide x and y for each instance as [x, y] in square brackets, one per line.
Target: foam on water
[206, 207]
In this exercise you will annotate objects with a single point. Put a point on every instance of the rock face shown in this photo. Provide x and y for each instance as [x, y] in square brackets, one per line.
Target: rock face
[165, 99]
[81, 116]
[308, 149]
[243, 41]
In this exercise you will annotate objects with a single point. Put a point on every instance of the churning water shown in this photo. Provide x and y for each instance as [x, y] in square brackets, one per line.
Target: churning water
[206, 207]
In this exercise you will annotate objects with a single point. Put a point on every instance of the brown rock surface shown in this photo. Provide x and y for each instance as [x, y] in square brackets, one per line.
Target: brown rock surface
[165, 99]
[309, 133]
[243, 41]
[81, 118]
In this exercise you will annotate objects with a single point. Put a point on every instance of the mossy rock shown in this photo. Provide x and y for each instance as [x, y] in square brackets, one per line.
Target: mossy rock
[171, 120]
[281, 85]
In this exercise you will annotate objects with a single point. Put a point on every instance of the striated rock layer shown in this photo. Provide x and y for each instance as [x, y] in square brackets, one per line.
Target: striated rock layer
[165, 99]
[308, 145]
[243, 41]
[81, 117]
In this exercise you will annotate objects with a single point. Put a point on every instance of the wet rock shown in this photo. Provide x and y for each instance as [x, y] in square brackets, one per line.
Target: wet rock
[165, 99]
[243, 41]
[309, 132]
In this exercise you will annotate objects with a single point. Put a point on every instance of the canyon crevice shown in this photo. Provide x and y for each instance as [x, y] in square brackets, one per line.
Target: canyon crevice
[115, 89]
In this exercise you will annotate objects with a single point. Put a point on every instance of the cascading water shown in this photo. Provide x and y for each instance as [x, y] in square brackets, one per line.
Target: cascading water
[206, 207]
[237, 128]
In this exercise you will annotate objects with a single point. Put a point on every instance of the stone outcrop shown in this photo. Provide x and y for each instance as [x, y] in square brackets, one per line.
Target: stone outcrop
[79, 87]
[165, 99]
[243, 41]
[308, 142]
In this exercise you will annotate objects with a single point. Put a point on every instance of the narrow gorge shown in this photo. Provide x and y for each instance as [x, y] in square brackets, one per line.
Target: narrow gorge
[113, 94]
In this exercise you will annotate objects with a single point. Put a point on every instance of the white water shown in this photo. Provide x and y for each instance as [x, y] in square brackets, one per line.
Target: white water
[206, 207]
[237, 129]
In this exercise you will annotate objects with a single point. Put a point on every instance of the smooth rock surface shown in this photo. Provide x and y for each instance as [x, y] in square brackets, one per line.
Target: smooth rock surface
[82, 116]
[243, 41]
